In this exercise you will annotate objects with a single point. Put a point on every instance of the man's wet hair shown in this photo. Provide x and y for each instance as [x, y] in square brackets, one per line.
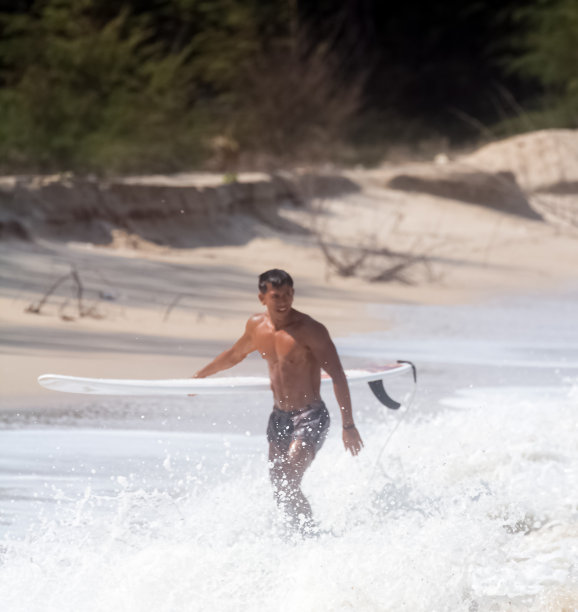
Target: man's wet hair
[276, 278]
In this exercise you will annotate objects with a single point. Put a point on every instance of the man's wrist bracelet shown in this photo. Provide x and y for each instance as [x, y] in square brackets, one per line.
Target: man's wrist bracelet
[352, 426]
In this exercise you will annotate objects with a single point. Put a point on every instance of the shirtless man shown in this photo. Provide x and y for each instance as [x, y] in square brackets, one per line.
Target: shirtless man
[296, 348]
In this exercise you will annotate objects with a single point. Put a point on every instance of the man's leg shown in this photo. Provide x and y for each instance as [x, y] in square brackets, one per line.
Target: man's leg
[286, 472]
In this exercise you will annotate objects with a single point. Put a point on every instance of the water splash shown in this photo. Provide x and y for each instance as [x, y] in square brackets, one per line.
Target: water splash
[469, 508]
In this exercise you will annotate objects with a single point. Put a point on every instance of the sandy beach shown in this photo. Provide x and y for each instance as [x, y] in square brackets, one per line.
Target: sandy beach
[154, 311]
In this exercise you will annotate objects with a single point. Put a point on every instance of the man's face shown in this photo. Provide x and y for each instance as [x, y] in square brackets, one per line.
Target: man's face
[277, 300]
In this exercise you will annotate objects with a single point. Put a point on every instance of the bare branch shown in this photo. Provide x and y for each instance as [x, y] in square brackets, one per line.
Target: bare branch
[37, 308]
[343, 268]
[174, 303]
[78, 293]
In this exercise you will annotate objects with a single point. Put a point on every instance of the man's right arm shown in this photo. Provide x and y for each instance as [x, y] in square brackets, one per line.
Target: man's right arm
[324, 350]
[234, 355]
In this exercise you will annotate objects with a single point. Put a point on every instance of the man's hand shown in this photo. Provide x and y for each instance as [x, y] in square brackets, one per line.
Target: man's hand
[352, 441]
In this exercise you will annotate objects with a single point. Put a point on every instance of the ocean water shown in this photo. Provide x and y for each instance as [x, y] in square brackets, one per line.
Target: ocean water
[467, 499]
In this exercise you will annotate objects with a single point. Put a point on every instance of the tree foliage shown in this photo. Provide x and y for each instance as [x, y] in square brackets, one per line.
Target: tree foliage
[151, 85]
[547, 51]
[91, 88]
[84, 94]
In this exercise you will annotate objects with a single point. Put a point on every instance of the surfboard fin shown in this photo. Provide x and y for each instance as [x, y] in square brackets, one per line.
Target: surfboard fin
[379, 391]
[381, 394]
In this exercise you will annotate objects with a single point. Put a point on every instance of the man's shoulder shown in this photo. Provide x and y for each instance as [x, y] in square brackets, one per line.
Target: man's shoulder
[255, 320]
[310, 324]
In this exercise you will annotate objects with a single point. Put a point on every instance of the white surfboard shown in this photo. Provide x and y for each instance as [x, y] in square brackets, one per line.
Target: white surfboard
[212, 386]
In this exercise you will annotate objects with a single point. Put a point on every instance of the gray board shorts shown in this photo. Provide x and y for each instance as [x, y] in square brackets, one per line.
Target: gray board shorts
[309, 425]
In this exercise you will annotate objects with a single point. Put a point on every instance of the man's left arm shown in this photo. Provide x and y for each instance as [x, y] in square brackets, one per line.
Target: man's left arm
[325, 352]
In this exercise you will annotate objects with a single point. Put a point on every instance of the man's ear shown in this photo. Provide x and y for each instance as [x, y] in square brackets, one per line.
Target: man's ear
[261, 297]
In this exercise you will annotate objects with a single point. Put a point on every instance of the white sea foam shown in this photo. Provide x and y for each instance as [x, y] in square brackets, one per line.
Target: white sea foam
[472, 507]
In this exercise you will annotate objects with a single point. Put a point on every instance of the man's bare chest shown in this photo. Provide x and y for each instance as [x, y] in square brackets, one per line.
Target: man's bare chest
[281, 345]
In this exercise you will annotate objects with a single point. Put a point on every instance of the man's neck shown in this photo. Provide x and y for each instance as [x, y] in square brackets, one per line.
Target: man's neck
[281, 321]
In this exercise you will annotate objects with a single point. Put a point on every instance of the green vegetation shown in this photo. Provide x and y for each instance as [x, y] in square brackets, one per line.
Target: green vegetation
[548, 52]
[169, 85]
[89, 94]
[90, 90]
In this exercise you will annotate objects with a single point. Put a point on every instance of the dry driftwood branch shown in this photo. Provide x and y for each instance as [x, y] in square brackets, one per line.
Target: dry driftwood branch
[83, 311]
[399, 263]
[396, 271]
[78, 289]
[353, 260]
[174, 303]
[343, 268]
[405, 261]
[37, 307]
